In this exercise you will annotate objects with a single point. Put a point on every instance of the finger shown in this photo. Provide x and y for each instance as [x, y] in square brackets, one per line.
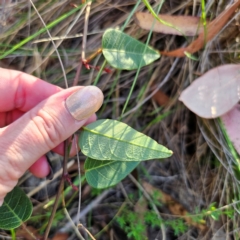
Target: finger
[8, 117]
[42, 129]
[22, 91]
[40, 168]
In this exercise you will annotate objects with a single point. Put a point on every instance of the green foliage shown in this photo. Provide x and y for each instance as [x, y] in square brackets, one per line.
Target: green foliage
[155, 197]
[229, 212]
[198, 216]
[114, 149]
[152, 219]
[108, 139]
[135, 224]
[103, 174]
[216, 213]
[96, 192]
[137, 231]
[178, 226]
[16, 209]
[213, 212]
[124, 52]
[132, 225]
[121, 221]
[129, 221]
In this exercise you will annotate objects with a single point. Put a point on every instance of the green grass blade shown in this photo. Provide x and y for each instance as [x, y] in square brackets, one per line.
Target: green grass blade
[159, 19]
[42, 30]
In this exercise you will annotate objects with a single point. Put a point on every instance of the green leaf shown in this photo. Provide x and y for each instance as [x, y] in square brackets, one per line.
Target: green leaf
[16, 209]
[108, 139]
[103, 174]
[124, 52]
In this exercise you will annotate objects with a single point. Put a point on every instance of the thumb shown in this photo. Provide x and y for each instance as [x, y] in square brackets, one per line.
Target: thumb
[43, 128]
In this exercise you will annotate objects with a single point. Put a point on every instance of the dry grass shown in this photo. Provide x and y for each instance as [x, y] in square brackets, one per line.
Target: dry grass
[201, 170]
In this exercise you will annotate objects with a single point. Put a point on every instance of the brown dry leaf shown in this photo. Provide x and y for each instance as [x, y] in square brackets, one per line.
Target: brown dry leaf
[211, 30]
[28, 233]
[161, 98]
[188, 25]
[31, 233]
[60, 236]
[174, 207]
[214, 93]
[231, 121]
[86, 191]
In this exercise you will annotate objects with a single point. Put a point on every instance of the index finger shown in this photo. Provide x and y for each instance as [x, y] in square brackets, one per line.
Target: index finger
[22, 91]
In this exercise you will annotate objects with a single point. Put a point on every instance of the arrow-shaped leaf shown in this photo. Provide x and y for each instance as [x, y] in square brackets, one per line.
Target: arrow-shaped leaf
[16, 209]
[103, 174]
[124, 52]
[113, 140]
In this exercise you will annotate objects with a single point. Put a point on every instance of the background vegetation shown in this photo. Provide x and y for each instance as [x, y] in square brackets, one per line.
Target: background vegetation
[192, 195]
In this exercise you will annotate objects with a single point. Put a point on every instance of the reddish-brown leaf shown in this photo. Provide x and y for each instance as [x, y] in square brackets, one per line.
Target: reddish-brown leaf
[28, 233]
[231, 121]
[214, 93]
[211, 30]
[161, 98]
[60, 236]
[188, 25]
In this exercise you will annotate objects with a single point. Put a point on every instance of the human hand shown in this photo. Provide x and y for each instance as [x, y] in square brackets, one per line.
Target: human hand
[36, 117]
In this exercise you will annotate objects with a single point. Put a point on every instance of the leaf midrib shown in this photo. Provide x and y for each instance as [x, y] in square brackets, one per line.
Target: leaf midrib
[106, 165]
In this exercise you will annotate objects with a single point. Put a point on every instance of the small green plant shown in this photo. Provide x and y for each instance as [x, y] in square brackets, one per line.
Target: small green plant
[213, 212]
[178, 226]
[135, 225]
[132, 225]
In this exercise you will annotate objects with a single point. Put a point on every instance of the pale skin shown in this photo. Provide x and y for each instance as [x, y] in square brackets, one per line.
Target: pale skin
[33, 121]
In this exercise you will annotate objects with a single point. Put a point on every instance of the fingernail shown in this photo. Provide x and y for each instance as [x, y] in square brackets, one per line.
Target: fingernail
[83, 103]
